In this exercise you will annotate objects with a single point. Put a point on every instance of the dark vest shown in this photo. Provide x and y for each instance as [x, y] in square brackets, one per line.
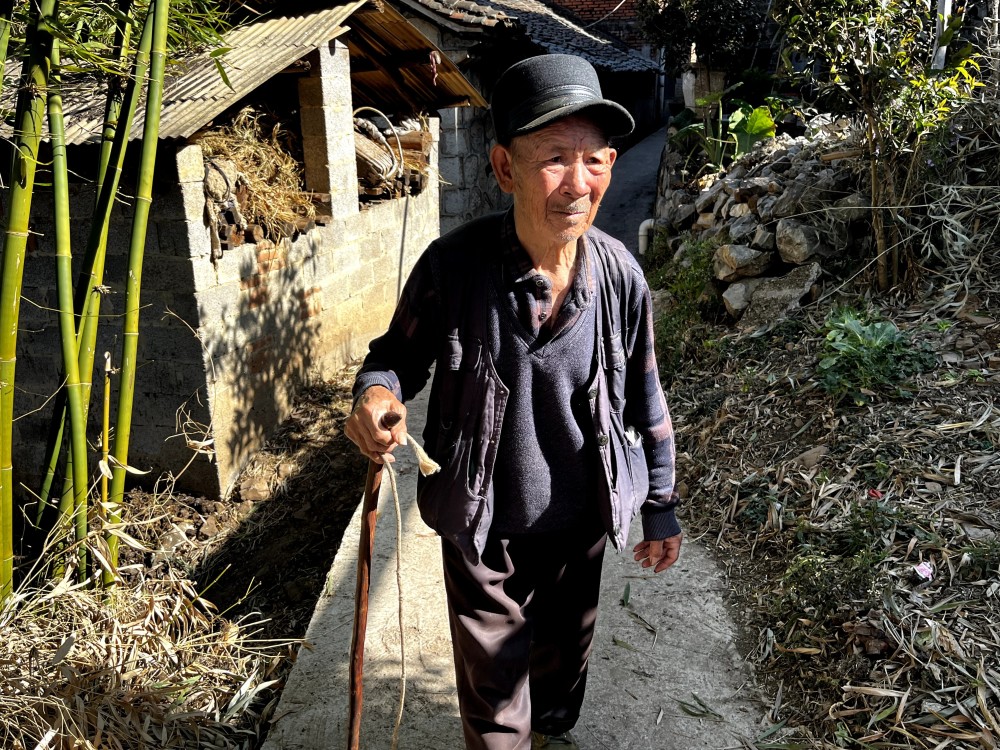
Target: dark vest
[466, 405]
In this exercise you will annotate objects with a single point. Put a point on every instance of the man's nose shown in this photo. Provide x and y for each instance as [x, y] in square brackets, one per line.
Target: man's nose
[575, 178]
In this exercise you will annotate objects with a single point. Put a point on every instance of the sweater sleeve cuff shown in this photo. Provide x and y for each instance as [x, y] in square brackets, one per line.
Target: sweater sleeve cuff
[659, 523]
[384, 378]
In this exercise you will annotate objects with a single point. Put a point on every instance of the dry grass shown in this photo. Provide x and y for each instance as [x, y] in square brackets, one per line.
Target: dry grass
[863, 540]
[150, 664]
[270, 175]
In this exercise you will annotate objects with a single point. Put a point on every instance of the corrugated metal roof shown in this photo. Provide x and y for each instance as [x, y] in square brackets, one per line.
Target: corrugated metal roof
[392, 58]
[396, 68]
[195, 92]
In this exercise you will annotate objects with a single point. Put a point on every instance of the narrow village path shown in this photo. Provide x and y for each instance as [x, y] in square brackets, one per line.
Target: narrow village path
[665, 673]
[629, 201]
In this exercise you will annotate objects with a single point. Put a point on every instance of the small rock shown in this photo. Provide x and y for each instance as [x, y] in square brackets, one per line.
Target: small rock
[763, 240]
[286, 469]
[743, 229]
[255, 490]
[738, 261]
[753, 186]
[738, 295]
[811, 457]
[854, 207]
[797, 242]
[789, 202]
[708, 197]
[682, 216]
[765, 208]
[775, 298]
[210, 528]
[738, 210]
[934, 487]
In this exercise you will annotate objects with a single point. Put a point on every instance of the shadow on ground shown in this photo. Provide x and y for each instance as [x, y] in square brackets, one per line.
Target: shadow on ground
[295, 499]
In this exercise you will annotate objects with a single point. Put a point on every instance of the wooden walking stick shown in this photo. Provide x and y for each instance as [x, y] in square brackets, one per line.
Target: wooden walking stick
[368, 518]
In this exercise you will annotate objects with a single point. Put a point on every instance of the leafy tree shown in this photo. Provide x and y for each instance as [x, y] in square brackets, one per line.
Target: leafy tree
[873, 59]
[719, 30]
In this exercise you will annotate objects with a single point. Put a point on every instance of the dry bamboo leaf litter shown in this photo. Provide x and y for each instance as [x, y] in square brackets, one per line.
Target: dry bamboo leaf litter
[147, 664]
[864, 541]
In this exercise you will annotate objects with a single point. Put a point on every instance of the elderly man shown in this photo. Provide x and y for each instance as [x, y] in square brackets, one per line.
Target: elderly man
[546, 411]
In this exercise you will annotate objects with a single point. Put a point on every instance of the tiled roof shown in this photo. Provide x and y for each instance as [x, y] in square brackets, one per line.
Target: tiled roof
[545, 26]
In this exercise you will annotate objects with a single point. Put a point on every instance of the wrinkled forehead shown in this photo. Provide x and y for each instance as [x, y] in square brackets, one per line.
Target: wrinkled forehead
[577, 133]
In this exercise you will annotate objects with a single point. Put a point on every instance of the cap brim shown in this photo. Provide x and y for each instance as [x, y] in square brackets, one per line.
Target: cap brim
[610, 116]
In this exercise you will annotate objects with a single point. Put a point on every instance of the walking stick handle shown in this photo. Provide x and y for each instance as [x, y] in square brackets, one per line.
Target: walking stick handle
[368, 519]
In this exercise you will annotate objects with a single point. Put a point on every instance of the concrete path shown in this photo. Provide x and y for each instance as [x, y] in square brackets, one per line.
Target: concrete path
[665, 674]
[630, 198]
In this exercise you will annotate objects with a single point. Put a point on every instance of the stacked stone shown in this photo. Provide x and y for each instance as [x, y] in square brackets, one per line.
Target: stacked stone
[778, 214]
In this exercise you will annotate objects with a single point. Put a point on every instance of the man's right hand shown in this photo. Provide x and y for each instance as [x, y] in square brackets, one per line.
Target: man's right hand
[377, 424]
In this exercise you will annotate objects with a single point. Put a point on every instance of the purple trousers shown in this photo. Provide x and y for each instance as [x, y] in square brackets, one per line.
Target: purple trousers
[522, 625]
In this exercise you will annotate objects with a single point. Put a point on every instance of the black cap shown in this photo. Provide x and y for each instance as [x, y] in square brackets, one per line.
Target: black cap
[538, 91]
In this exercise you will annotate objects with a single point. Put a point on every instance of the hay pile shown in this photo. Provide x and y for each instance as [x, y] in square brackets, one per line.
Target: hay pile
[151, 665]
[270, 178]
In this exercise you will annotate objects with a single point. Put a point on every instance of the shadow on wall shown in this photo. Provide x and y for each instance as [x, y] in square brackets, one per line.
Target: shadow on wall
[260, 336]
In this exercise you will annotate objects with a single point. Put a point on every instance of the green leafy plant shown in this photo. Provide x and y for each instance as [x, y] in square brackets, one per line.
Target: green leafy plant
[679, 327]
[718, 30]
[864, 355]
[722, 140]
[882, 61]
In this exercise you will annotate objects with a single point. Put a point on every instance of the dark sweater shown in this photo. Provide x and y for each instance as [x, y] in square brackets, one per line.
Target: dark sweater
[545, 477]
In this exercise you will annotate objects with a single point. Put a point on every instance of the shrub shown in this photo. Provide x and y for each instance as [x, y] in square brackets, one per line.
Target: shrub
[864, 355]
[679, 325]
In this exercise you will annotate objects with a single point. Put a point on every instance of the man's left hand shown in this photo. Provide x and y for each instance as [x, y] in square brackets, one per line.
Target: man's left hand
[662, 553]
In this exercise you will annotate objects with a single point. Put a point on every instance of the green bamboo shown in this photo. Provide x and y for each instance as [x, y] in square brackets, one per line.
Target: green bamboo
[108, 576]
[67, 323]
[6, 17]
[116, 95]
[130, 339]
[28, 119]
[88, 298]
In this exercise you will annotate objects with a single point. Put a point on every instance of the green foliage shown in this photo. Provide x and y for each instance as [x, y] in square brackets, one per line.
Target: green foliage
[873, 59]
[721, 141]
[719, 30]
[688, 282]
[864, 355]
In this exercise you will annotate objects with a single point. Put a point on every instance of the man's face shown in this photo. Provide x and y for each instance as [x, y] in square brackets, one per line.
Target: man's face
[558, 176]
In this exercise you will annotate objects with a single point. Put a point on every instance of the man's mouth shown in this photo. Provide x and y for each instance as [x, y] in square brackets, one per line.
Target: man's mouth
[576, 208]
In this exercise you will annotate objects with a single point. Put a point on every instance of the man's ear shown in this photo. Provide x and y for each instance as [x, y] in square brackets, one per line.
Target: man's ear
[501, 161]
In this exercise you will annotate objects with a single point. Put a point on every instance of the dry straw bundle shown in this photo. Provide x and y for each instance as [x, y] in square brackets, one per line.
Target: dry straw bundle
[271, 177]
[150, 664]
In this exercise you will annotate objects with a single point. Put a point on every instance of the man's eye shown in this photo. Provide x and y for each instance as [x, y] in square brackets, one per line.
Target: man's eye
[555, 159]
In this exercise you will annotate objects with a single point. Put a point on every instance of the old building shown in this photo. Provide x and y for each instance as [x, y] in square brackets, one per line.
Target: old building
[235, 318]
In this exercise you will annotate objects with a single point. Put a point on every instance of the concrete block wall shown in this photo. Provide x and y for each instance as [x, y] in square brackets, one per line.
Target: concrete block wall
[224, 345]
[276, 315]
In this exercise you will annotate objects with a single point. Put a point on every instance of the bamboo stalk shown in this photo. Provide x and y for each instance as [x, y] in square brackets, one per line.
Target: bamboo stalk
[116, 97]
[28, 118]
[67, 324]
[88, 298]
[143, 199]
[107, 576]
[6, 17]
